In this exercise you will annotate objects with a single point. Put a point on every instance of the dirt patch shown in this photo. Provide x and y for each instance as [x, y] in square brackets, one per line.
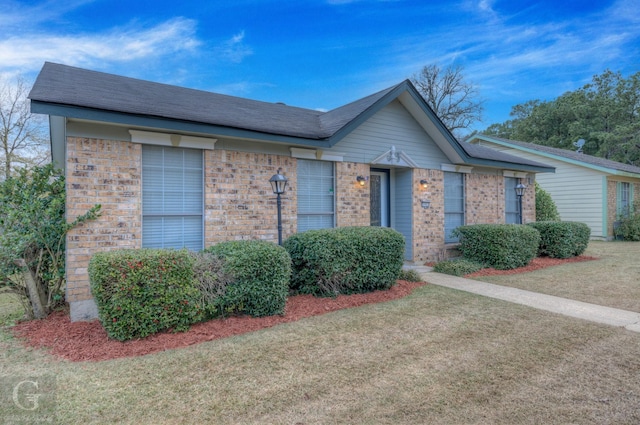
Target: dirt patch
[88, 341]
[535, 264]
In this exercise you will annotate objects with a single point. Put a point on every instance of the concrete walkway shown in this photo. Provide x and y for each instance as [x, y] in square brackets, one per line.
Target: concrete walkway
[595, 313]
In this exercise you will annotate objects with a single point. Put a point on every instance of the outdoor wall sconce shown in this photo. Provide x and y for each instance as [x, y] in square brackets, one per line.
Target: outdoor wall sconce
[424, 184]
[425, 203]
[361, 180]
[278, 185]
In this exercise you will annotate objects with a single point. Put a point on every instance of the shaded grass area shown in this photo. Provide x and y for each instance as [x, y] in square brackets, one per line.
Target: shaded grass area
[438, 356]
[612, 281]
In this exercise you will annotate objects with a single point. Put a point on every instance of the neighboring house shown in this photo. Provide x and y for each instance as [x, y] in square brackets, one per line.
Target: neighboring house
[585, 188]
[175, 167]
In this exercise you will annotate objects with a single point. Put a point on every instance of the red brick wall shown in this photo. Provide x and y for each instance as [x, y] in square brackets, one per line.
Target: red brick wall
[352, 200]
[428, 224]
[239, 202]
[108, 173]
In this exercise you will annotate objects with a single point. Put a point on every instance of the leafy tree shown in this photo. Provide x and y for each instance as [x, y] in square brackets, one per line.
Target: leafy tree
[605, 113]
[32, 236]
[22, 134]
[546, 209]
[454, 100]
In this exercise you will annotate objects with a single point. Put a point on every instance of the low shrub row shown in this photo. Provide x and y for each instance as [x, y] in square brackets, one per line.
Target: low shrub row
[562, 239]
[458, 267]
[345, 260]
[140, 292]
[501, 246]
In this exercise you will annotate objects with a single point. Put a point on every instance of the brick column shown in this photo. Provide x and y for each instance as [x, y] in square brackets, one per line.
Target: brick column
[352, 199]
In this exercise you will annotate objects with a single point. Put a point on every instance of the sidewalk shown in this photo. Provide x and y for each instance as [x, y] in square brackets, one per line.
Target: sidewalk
[595, 313]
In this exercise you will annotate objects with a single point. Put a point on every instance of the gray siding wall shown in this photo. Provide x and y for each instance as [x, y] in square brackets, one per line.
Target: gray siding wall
[391, 126]
[402, 215]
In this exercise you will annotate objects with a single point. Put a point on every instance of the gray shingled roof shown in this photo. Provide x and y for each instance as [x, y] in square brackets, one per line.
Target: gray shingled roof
[572, 155]
[66, 85]
[69, 90]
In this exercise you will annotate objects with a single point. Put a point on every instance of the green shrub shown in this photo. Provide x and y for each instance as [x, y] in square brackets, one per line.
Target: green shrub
[410, 276]
[546, 209]
[259, 272]
[143, 291]
[562, 239]
[501, 246]
[458, 267]
[211, 280]
[628, 227]
[345, 260]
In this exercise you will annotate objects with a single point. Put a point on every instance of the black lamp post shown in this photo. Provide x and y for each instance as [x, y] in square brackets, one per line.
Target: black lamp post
[278, 184]
[519, 192]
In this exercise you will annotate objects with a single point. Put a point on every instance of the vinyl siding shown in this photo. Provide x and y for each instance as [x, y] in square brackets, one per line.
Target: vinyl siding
[391, 126]
[577, 191]
[402, 219]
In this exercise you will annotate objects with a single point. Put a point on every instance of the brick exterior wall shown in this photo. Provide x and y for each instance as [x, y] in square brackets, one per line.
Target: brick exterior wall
[428, 224]
[352, 200]
[108, 173]
[239, 202]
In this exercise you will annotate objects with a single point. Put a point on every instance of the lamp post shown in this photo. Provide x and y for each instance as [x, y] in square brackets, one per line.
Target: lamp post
[519, 192]
[278, 185]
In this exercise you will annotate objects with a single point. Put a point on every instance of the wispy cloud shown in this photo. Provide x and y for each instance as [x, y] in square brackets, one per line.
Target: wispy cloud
[234, 49]
[29, 50]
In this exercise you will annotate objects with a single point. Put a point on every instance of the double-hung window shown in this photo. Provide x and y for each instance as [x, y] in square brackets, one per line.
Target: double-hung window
[453, 204]
[511, 211]
[316, 204]
[172, 197]
[624, 198]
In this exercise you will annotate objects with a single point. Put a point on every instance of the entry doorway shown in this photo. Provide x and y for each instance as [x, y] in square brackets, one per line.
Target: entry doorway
[380, 198]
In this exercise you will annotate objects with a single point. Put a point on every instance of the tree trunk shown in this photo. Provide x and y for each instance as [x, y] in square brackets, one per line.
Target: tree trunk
[32, 289]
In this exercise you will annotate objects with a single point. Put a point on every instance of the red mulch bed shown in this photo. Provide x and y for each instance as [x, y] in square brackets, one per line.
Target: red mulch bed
[535, 264]
[88, 341]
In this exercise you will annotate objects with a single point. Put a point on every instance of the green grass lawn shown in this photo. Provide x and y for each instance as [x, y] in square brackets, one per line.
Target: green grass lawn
[438, 356]
[612, 281]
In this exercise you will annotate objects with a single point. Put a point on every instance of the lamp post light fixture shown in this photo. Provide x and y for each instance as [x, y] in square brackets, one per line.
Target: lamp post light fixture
[278, 185]
[520, 188]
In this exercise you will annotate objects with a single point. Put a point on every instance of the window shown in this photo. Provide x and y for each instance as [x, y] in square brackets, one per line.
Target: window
[511, 211]
[453, 204]
[315, 194]
[172, 198]
[624, 198]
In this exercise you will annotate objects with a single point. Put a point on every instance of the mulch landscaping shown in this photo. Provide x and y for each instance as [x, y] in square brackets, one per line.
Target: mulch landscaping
[88, 341]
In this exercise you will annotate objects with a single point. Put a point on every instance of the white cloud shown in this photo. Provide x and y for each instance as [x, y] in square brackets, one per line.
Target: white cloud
[235, 50]
[28, 51]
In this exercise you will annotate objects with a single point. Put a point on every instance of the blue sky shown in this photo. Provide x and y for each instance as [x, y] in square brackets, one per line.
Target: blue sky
[321, 54]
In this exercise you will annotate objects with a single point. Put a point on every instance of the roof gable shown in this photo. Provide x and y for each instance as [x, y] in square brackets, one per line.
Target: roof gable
[563, 155]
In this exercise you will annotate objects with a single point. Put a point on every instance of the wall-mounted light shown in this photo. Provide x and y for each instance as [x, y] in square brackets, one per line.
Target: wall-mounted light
[361, 180]
[424, 184]
[425, 203]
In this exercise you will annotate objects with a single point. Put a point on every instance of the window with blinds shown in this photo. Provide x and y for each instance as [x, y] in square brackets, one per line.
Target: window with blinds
[511, 201]
[172, 198]
[316, 205]
[623, 198]
[453, 204]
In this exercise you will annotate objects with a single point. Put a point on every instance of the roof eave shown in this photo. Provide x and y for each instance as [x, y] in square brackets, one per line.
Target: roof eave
[144, 121]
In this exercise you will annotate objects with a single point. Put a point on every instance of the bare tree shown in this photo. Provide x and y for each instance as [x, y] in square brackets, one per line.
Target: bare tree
[454, 100]
[23, 141]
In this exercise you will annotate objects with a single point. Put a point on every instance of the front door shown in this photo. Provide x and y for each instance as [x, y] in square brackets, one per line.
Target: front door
[379, 184]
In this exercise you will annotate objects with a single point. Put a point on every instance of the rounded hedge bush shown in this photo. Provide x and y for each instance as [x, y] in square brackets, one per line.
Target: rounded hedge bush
[140, 292]
[562, 239]
[345, 260]
[259, 273]
[501, 246]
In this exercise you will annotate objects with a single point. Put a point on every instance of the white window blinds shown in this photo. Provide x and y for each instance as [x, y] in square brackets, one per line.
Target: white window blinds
[315, 194]
[453, 204]
[172, 198]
